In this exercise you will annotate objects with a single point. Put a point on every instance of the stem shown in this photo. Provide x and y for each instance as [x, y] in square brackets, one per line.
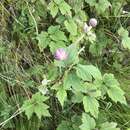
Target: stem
[79, 39]
[33, 18]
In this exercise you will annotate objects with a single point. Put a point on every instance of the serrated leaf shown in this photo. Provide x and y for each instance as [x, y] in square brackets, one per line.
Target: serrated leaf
[64, 125]
[113, 89]
[91, 2]
[41, 110]
[117, 94]
[82, 15]
[61, 95]
[65, 8]
[94, 71]
[91, 105]
[109, 126]
[36, 105]
[125, 37]
[55, 45]
[43, 40]
[77, 97]
[53, 29]
[126, 42]
[86, 72]
[123, 32]
[83, 73]
[56, 34]
[53, 8]
[28, 108]
[110, 80]
[71, 26]
[58, 2]
[88, 123]
[100, 5]
[71, 80]
[92, 89]
[60, 19]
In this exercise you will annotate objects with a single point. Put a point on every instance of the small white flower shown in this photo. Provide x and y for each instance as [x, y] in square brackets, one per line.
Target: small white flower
[45, 82]
[43, 90]
[125, 12]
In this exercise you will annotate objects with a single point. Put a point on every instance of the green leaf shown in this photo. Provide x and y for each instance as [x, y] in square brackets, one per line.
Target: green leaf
[77, 5]
[125, 37]
[88, 123]
[117, 8]
[43, 40]
[123, 32]
[71, 26]
[92, 89]
[36, 105]
[71, 80]
[126, 42]
[65, 125]
[53, 8]
[53, 29]
[100, 6]
[28, 108]
[56, 5]
[65, 8]
[41, 110]
[91, 2]
[109, 126]
[110, 80]
[83, 72]
[59, 63]
[117, 94]
[55, 45]
[72, 51]
[91, 105]
[76, 119]
[77, 97]
[60, 19]
[61, 95]
[101, 42]
[52, 72]
[82, 15]
[86, 72]
[58, 2]
[56, 34]
[113, 89]
[94, 71]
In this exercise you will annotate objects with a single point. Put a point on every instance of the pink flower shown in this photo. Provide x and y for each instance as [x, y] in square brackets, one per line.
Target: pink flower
[93, 22]
[60, 54]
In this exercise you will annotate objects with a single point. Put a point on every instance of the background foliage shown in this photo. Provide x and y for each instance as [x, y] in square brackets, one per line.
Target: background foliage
[87, 91]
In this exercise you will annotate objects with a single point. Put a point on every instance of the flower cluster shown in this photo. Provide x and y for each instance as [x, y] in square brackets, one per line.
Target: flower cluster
[92, 23]
[61, 53]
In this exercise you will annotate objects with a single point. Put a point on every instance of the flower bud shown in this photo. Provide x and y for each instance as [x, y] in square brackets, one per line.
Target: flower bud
[87, 28]
[60, 54]
[93, 22]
